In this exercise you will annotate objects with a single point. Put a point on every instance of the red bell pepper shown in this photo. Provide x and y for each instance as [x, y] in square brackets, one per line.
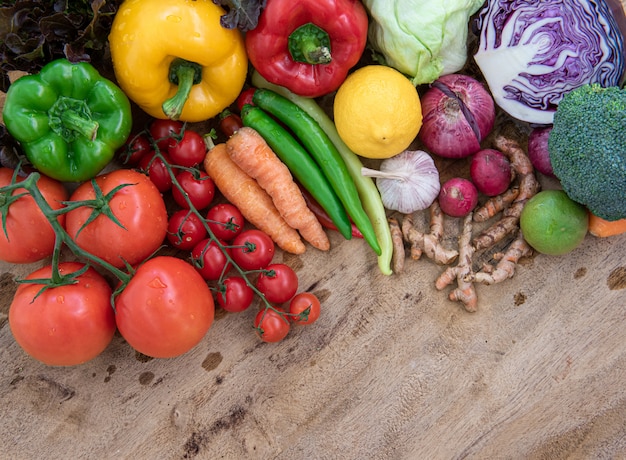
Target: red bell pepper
[308, 46]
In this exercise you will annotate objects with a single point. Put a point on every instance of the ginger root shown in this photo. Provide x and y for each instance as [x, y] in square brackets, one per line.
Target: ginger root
[398, 255]
[496, 204]
[507, 262]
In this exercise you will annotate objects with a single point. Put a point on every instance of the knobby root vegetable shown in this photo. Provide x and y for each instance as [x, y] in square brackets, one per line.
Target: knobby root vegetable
[253, 202]
[429, 243]
[399, 253]
[507, 262]
[528, 187]
[253, 155]
[465, 291]
[496, 204]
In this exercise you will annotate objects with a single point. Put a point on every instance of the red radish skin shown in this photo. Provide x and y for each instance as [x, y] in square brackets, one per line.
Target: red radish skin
[491, 172]
[538, 153]
[458, 197]
[458, 113]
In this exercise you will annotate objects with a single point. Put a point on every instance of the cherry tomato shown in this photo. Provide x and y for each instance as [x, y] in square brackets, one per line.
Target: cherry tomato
[209, 259]
[198, 186]
[166, 308]
[162, 132]
[270, 325]
[253, 249]
[234, 294]
[245, 98]
[229, 123]
[185, 230]
[188, 151]
[278, 283]
[29, 236]
[65, 325]
[157, 170]
[304, 308]
[225, 221]
[134, 149]
[139, 208]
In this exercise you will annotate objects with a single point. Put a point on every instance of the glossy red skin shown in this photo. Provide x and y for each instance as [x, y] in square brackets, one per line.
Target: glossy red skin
[166, 309]
[230, 123]
[30, 235]
[245, 98]
[458, 197]
[445, 130]
[538, 153]
[200, 191]
[301, 302]
[157, 171]
[134, 149]
[346, 23]
[237, 295]
[209, 259]
[490, 171]
[188, 151]
[66, 325]
[258, 258]
[225, 213]
[185, 230]
[271, 326]
[278, 283]
[140, 209]
[162, 130]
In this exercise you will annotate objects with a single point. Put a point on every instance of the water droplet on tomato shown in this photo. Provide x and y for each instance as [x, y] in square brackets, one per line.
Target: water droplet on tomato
[60, 299]
[122, 205]
[157, 283]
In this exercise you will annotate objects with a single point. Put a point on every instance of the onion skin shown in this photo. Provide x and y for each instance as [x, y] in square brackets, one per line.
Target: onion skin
[538, 150]
[446, 130]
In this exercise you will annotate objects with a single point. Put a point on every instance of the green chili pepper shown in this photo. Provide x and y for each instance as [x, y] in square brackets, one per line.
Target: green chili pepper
[68, 119]
[300, 163]
[370, 196]
[324, 152]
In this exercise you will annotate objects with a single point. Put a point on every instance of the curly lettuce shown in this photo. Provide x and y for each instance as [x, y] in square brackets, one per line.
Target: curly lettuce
[423, 39]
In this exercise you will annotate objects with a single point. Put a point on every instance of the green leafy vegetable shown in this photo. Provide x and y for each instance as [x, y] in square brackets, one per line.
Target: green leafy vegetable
[242, 14]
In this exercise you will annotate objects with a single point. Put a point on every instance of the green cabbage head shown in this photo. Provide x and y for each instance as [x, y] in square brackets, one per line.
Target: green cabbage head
[423, 39]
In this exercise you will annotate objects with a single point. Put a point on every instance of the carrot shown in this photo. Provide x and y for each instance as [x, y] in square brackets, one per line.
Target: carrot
[255, 157]
[253, 202]
[602, 228]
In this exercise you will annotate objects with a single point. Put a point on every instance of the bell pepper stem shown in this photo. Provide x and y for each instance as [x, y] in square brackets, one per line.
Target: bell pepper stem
[85, 127]
[71, 118]
[310, 44]
[184, 74]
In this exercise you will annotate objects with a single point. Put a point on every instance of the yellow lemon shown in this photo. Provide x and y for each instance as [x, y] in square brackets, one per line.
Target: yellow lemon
[377, 112]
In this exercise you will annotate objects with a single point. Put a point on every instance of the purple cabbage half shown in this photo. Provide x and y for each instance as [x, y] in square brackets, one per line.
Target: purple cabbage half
[533, 52]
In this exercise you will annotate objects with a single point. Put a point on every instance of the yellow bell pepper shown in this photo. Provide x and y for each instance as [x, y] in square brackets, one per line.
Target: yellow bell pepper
[174, 59]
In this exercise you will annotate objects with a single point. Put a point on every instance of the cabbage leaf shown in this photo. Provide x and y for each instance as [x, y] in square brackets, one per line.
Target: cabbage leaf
[423, 39]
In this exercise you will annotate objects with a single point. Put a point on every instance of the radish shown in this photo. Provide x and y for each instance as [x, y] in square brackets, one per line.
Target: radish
[491, 172]
[538, 153]
[458, 197]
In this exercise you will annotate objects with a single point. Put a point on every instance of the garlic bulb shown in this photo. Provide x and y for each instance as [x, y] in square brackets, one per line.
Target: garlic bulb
[407, 182]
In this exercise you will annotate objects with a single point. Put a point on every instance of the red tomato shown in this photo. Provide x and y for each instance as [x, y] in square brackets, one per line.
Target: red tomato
[166, 308]
[134, 149]
[210, 260]
[162, 132]
[157, 170]
[139, 208]
[65, 325]
[225, 221]
[245, 98]
[185, 230]
[271, 325]
[230, 123]
[253, 249]
[304, 308]
[188, 151]
[278, 283]
[29, 236]
[199, 189]
[234, 294]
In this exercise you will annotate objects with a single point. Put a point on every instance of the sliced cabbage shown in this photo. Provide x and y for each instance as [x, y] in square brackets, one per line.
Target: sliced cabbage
[423, 39]
[532, 52]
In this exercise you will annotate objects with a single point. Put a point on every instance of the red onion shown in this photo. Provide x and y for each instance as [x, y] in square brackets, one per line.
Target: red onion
[458, 114]
[538, 150]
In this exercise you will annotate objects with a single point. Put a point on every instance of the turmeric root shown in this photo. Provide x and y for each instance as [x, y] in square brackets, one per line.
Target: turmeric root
[398, 254]
[505, 268]
[430, 243]
[496, 204]
[462, 272]
[528, 187]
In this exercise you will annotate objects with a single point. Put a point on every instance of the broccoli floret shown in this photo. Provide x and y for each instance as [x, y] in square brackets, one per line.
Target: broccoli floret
[587, 147]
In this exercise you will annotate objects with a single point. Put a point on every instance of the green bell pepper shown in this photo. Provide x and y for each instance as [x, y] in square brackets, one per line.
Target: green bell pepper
[68, 119]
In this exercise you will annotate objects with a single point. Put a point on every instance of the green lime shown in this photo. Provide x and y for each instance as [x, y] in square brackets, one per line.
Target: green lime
[552, 223]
